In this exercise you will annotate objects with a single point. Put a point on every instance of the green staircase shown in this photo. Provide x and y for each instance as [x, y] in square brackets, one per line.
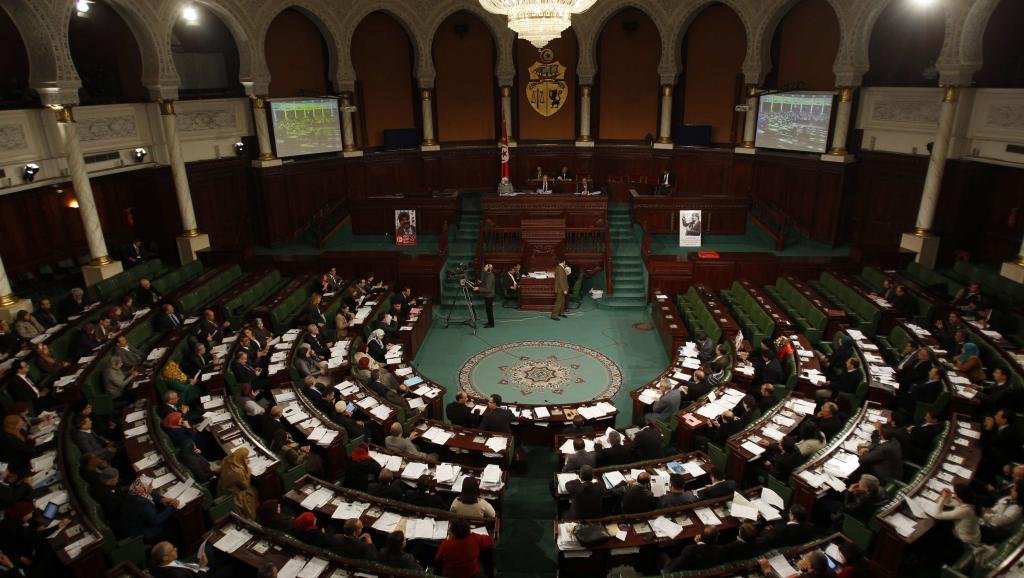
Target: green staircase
[629, 276]
[461, 244]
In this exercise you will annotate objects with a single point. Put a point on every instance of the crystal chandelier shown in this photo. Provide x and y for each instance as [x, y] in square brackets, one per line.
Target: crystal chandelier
[538, 21]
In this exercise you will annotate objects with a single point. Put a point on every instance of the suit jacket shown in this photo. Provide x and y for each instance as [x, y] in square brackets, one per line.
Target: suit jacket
[587, 499]
[926, 391]
[673, 499]
[831, 425]
[314, 315]
[244, 373]
[737, 550]
[719, 489]
[696, 557]
[614, 455]
[487, 285]
[207, 327]
[666, 406]
[773, 372]
[460, 414]
[132, 357]
[146, 297]
[46, 317]
[319, 344]
[575, 461]
[847, 381]
[194, 363]
[638, 499]
[648, 444]
[786, 535]
[21, 389]
[164, 322]
[115, 381]
[885, 460]
[499, 420]
[561, 281]
[913, 372]
[544, 186]
[404, 303]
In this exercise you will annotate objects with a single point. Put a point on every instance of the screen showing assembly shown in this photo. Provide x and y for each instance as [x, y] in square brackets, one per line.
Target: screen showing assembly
[305, 126]
[794, 121]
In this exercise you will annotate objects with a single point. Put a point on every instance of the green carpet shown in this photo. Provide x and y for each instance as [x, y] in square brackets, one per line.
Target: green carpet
[638, 353]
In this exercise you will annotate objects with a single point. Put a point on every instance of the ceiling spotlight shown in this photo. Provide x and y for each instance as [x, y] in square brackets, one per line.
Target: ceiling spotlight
[30, 171]
[82, 7]
[190, 14]
[239, 148]
[139, 154]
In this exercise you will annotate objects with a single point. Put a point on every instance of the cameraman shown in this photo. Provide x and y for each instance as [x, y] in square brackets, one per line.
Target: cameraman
[486, 290]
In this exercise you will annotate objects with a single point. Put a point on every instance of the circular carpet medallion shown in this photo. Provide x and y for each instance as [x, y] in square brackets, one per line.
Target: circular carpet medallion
[538, 371]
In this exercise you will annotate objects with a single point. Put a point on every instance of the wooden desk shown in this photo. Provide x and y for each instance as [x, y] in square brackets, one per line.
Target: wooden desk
[578, 211]
[668, 323]
[563, 442]
[376, 215]
[420, 319]
[891, 544]
[232, 433]
[537, 294]
[887, 313]
[334, 454]
[782, 418]
[467, 446]
[531, 429]
[397, 462]
[652, 467]
[689, 422]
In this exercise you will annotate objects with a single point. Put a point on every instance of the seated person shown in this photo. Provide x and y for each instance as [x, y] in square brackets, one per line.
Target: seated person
[997, 522]
[587, 496]
[469, 503]
[146, 513]
[49, 362]
[397, 442]
[797, 530]
[187, 388]
[393, 554]
[677, 494]
[544, 186]
[703, 553]
[117, 378]
[459, 554]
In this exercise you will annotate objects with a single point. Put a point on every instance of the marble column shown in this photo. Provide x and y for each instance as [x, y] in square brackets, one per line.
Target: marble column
[750, 120]
[348, 138]
[259, 115]
[921, 241]
[842, 122]
[190, 240]
[665, 126]
[102, 266]
[506, 113]
[585, 139]
[427, 100]
[9, 303]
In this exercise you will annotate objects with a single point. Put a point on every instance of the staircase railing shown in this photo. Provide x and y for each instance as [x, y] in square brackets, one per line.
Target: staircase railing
[770, 220]
[609, 287]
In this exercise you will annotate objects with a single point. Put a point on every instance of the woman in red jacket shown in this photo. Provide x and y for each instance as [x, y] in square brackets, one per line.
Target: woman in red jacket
[459, 555]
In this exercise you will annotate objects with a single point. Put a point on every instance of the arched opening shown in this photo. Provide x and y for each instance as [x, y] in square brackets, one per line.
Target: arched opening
[205, 55]
[297, 56]
[535, 124]
[464, 89]
[382, 56]
[628, 52]
[711, 85]
[106, 56]
[914, 33]
[14, 90]
[804, 48]
[1002, 49]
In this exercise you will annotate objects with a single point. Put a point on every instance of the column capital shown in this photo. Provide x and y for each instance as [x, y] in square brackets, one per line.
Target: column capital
[427, 93]
[950, 93]
[259, 101]
[666, 89]
[166, 107]
[63, 113]
[585, 90]
[506, 91]
[846, 93]
[101, 260]
[190, 233]
[8, 300]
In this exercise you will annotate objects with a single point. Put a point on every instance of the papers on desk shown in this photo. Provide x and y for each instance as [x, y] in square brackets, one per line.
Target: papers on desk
[742, 508]
[497, 444]
[771, 498]
[842, 465]
[665, 528]
[707, 517]
[416, 403]
[381, 412]
[567, 537]
[691, 363]
[232, 539]
[648, 396]
[59, 497]
[44, 462]
[387, 522]
[414, 470]
[695, 469]
[613, 478]
[402, 371]
[156, 353]
[753, 448]
[541, 412]
[367, 403]
[801, 406]
[772, 433]
[919, 507]
[596, 411]
[904, 525]
[446, 473]
[491, 474]
[136, 431]
[347, 511]
[781, 566]
[317, 498]
[414, 380]
[149, 460]
[419, 529]
[437, 435]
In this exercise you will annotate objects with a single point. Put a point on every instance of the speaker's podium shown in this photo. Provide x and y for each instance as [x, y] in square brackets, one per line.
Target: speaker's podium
[543, 242]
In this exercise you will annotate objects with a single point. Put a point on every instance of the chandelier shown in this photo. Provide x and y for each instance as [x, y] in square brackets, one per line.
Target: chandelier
[538, 21]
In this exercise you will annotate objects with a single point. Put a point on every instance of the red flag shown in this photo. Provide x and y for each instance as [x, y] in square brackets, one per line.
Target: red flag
[504, 150]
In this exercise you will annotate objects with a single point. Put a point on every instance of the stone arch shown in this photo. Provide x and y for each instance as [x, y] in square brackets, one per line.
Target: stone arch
[759, 51]
[346, 73]
[504, 68]
[252, 67]
[686, 13]
[590, 24]
[969, 50]
[51, 71]
[317, 14]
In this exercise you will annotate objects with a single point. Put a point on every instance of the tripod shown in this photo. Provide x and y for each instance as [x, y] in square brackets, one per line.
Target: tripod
[467, 299]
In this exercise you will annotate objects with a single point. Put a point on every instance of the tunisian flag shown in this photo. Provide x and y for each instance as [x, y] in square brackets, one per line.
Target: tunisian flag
[504, 150]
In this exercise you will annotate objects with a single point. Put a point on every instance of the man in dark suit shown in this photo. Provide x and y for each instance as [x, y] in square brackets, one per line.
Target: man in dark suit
[22, 388]
[209, 329]
[580, 457]
[313, 313]
[616, 454]
[271, 422]
[165, 563]
[915, 368]
[703, 553]
[904, 302]
[743, 547]
[648, 444]
[45, 313]
[885, 459]
[316, 396]
[167, 319]
[564, 174]
[135, 254]
[578, 426]
[354, 543]
[405, 301]
[146, 295]
[999, 444]
[460, 411]
[828, 419]
[486, 290]
[244, 371]
[677, 495]
[561, 290]
[718, 488]
[999, 394]
[197, 361]
[497, 418]
[921, 436]
[771, 369]
[795, 531]
[386, 486]
[74, 304]
[587, 496]
[316, 340]
[544, 186]
[848, 380]
[666, 183]
[637, 497]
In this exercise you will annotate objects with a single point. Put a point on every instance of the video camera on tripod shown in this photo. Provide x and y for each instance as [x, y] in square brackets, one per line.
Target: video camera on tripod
[460, 272]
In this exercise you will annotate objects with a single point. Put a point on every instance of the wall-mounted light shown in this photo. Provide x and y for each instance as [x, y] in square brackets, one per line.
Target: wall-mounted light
[30, 171]
[139, 154]
[82, 7]
[190, 14]
[239, 148]
[73, 203]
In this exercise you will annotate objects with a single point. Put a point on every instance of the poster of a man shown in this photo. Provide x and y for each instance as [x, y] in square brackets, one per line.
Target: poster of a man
[689, 229]
[405, 228]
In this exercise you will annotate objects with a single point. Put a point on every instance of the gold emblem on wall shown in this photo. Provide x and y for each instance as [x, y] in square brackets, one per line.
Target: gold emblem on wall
[547, 90]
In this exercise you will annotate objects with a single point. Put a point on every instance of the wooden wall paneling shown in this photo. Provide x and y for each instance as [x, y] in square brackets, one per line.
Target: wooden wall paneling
[886, 198]
[715, 274]
[471, 170]
[421, 273]
[220, 196]
[669, 274]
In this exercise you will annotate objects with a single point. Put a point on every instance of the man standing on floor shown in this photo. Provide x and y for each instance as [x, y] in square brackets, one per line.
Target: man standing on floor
[486, 290]
[561, 290]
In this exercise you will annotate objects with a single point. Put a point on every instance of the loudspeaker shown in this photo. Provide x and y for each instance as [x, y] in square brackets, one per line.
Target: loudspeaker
[401, 138]
[692, 135]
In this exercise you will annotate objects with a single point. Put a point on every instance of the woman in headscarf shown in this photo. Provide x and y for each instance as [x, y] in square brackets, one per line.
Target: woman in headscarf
[174, 378]
[784, 348]
[837, 361]
[376, 348]
[235, 479]
[23, 540]
[284, 444]
[179, 430]
[16, 445]
[270, 515]
[304, 528]
[145, 513]
[360, 469]
[969, 363]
